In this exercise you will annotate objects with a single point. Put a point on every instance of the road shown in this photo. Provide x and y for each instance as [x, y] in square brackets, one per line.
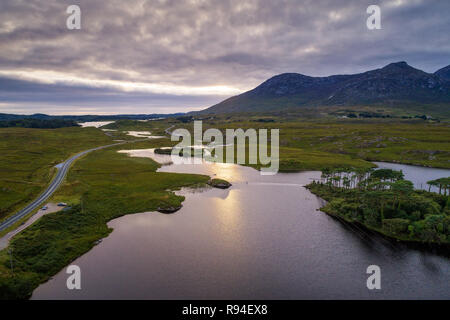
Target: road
[54, 185]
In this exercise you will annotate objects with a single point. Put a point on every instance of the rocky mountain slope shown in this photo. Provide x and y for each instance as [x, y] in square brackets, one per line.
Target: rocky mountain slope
[395, 85]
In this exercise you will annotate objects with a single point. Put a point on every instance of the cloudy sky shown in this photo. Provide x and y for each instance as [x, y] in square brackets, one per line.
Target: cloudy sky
[164, 56]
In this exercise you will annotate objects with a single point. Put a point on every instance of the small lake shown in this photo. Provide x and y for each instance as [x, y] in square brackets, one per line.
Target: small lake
[143, 134]
[418, 175]
[263, 238]
[95, 124]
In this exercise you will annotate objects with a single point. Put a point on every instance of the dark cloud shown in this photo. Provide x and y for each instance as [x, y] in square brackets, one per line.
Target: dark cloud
[202, 43]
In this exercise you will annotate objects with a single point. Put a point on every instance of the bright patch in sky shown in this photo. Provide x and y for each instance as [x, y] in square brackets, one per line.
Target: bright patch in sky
[51, 77]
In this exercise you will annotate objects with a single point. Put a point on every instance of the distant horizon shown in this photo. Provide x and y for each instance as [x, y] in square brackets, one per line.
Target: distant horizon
[174, 110]
[95, 114]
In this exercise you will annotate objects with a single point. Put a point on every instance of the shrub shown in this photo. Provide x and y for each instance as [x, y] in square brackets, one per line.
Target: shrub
[425, 205]
[396, 226]
[372, 217]
[415, 216]
[431, 228]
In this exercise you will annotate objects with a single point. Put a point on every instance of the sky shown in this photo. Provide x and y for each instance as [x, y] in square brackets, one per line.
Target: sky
[166, 56]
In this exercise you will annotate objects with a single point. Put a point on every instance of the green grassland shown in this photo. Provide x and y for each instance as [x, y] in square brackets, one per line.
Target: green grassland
[311, 144]
[28, 157]
[425, 144]
[436, 111]
[100, 187]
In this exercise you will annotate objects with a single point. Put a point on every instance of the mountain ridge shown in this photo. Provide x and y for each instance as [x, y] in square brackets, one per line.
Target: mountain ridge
[395, 84]
[444, 73]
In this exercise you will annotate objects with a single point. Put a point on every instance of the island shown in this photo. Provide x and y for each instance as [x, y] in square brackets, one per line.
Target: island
[219, 183]
[383, 201]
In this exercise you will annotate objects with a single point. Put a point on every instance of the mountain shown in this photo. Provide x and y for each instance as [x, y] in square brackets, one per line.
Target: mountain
[444, 73]
[397, 84]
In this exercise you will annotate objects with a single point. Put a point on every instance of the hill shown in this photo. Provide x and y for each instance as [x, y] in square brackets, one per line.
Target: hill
[38, 123]
[395, 85]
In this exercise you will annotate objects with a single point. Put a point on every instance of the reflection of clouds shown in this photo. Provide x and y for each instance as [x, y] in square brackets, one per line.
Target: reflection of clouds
[212, 192]
[143, 134]
[138, 222]
[95, 124]
[276, 184]
[227, 171]
[149, 153]
[223, 195]
[235, 174]
[229, 216]
[429, 264]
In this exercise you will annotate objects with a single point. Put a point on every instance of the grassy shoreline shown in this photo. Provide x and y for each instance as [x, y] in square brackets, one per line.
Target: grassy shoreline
[101, 187]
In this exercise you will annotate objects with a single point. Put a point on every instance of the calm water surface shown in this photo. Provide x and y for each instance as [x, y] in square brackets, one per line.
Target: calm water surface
[95, 124]
[264, 238]
[418, 175]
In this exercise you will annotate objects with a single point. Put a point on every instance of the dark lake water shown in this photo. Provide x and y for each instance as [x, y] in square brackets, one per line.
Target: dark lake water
[264, 238]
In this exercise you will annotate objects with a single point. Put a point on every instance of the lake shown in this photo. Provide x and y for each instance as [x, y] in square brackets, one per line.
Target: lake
[95, 124]
[263, 238]
[418, 175]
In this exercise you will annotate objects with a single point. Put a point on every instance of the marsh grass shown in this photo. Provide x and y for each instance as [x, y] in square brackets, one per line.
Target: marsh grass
[102, 186]
[28, 157]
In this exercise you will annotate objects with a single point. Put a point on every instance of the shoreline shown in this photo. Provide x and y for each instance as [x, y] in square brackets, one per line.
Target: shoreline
[433, 247]
[182, 191]
[410, 164]
[442, 249]
[102, 237]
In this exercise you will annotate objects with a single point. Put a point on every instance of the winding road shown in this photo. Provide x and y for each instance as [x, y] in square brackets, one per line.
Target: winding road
[63, 168]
